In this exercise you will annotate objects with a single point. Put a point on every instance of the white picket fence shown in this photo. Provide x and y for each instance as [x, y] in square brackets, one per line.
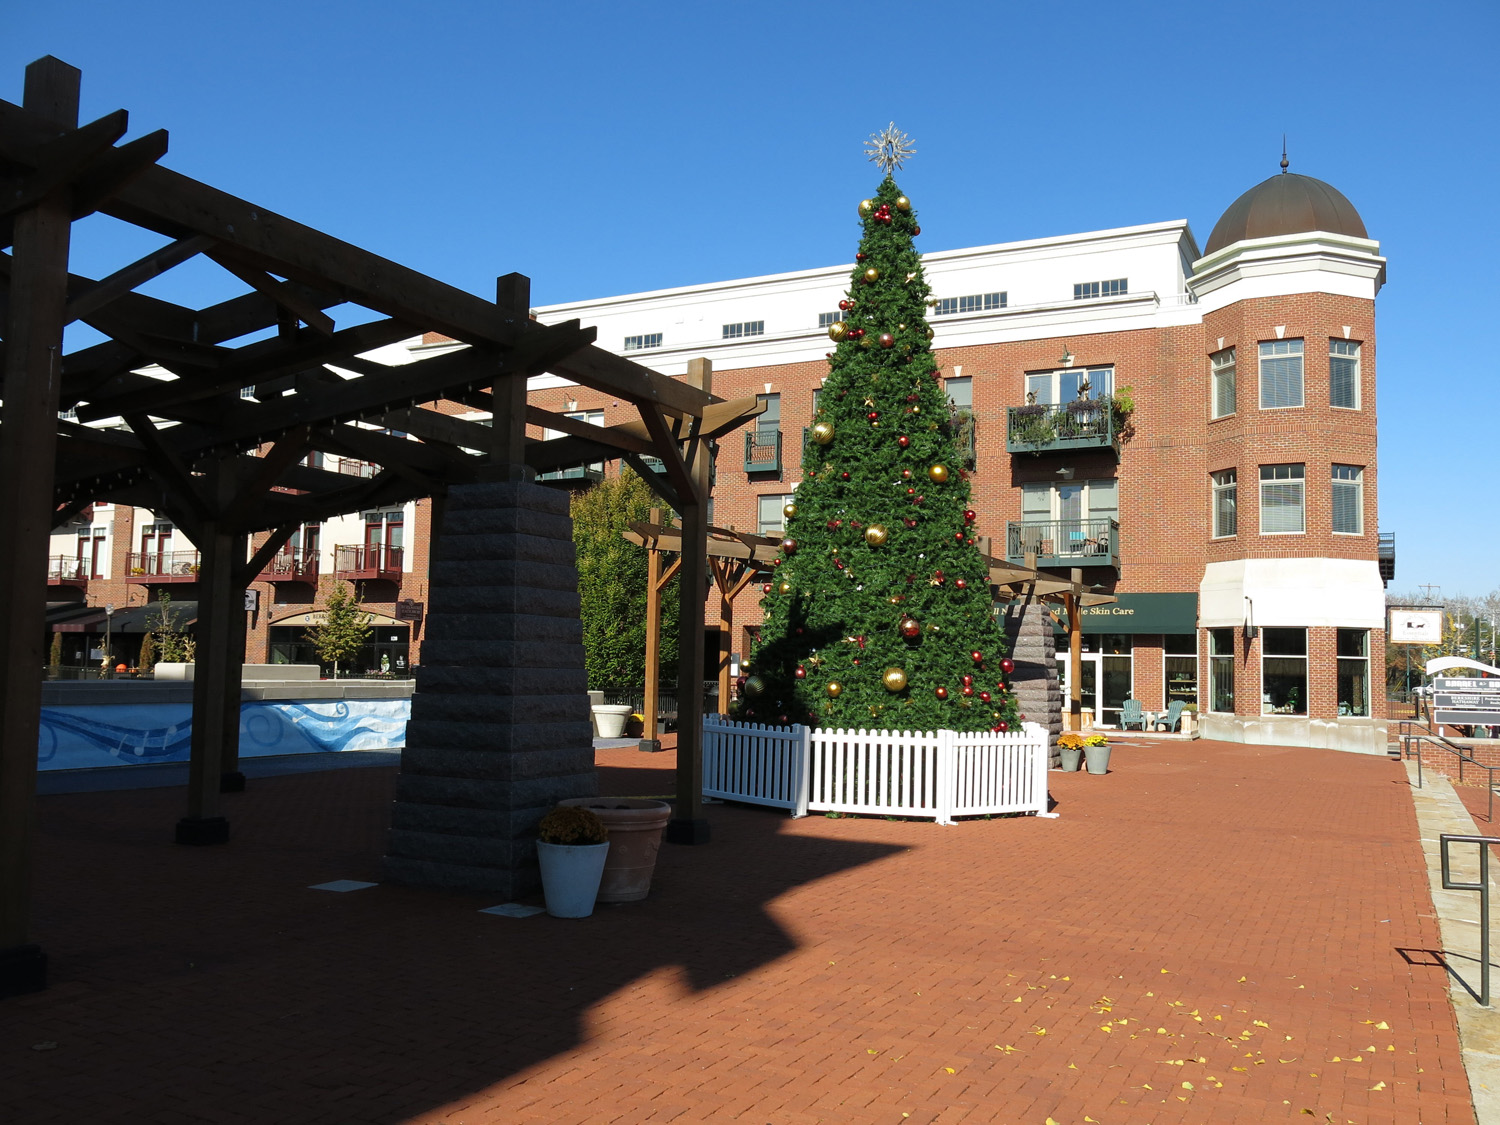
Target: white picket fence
[941, 774]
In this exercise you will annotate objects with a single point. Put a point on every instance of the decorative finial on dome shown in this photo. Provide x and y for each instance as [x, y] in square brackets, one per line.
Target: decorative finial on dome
[1285, 164]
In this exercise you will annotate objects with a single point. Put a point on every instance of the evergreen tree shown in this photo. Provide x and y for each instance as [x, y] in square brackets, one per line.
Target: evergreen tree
[147, 658]
[345, 629]
[612, 583]
[879, 613]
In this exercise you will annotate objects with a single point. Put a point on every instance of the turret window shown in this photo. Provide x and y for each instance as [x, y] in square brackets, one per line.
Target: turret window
[1280, 374]
[1343, 374]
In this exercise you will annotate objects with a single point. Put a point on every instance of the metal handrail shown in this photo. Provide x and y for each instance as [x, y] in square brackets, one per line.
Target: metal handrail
[1408, 737]
[1483, 887]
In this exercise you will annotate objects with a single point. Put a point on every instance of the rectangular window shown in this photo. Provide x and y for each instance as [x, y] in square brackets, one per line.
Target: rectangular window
[1343, 374]
[1348, 500]
[1282, 500]
[975, 302]
[1283, 671]
[825, 319]
[770, 517]
[1226, 489]
[1091, 290]
[744, 328]
[1354, 671]
[1222, 364]
[1221, 670]
[770, 421]
[1180, 667]
[1280, 374]
[1057, 388]
[960, 393]
[640, 343]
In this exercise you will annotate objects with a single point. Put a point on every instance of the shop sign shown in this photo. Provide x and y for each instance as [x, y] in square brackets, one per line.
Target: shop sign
[1415, 627]
[1466, 700]
[1143, 613]
[408, 610]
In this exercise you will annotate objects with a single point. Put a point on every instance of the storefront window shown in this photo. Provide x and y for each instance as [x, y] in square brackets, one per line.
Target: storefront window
[1283, 671]
[1221, 670]
[1180, 667]
[1354, 671]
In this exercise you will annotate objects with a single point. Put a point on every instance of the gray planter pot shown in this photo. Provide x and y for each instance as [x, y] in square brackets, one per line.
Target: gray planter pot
[1098, 758]
[1070, 758]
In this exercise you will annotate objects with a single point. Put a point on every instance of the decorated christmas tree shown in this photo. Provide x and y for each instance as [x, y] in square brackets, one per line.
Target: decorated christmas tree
[879, 614]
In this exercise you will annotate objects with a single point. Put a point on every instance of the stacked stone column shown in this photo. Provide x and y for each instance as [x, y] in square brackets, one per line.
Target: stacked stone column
[1028, 630]
[500, 726]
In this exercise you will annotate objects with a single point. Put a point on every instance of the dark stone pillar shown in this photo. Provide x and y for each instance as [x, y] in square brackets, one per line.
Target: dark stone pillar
[1028, 630]
[500, 727]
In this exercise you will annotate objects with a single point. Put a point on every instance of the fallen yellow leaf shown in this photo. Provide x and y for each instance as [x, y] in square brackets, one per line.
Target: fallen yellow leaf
[871, 1051]
[1187, 1085]
[1040, 1031]
[1240, 981]
[1241, 1069]
[1382, 1026]
[1260, 1023]
[1165, 970]
[1105, 1027]
[950, 1070]
[1378, 1086]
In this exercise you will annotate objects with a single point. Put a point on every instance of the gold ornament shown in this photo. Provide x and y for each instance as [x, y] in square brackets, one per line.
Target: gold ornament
[900, 328]
[790, 511]
[785, 588]
[895, 680]
[822, 432]
[838, 330]
[902, 203]
[866, 208]
[754, 685]
[930, 332]
[872, 275]
[938, 473]
[876, 536]
[834, 689]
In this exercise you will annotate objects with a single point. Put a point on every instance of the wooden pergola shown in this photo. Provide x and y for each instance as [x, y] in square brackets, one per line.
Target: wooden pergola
[178, 436]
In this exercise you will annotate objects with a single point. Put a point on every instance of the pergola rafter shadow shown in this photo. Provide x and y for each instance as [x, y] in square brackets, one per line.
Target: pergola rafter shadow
[225, 467]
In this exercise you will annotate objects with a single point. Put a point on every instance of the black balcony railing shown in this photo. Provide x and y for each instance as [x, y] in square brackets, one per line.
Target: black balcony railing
[762, 451]
[1094, 542]
[1386, 555]
[1086, 424]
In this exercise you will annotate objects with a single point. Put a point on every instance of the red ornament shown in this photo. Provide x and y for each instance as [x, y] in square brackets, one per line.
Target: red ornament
[968, 691]
[903, 441]
[789, 546]
[838, 564]
[909, 522]
[977, 656]
[919, 499]
[887, 340]
[832, 525]
[916, 230]
[911, 628]
[968, 681]
[800, 673]
[969, 516]
[874, 414]
[843, 476]
[766, 589]
[984, 697]
[859, 257]
[906, 475]
[911, 398]
[940, 692]
[959, 535]
[781, 719]
[1002, 726]
[960, 583]
[846, 305]
[911, 491]
[1007, 665]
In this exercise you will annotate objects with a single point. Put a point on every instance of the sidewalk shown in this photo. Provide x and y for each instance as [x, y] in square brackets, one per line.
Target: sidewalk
[1209, 933]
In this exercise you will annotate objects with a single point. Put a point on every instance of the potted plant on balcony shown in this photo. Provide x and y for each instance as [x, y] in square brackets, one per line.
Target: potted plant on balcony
[572, 844]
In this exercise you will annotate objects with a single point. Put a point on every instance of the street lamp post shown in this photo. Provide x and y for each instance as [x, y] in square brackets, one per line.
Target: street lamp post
[109, 618]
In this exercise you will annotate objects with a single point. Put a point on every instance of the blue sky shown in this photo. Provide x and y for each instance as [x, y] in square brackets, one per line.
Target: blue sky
[609, 148]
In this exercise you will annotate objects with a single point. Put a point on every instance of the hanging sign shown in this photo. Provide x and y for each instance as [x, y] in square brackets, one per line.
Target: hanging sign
[1415, 626]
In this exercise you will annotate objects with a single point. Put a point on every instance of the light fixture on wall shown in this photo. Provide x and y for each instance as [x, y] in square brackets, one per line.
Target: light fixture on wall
[1251, 631]
[1066, 474]
[1067, 356]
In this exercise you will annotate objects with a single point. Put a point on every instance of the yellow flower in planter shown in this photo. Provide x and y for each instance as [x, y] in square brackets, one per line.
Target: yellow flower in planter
[1073, 740]
[1096, 740]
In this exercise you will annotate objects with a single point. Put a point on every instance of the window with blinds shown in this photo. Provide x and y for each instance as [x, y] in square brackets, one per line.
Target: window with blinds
[1343, 374]
[1222, 365]
[1283, 496]
[1225, 489]
[1280, 374]
[1348, 500]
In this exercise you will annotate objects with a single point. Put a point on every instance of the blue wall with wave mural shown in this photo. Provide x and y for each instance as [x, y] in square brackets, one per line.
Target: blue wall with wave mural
[131, 734]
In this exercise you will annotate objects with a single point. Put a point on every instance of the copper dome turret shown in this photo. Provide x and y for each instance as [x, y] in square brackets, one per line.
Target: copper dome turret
[1286, 204]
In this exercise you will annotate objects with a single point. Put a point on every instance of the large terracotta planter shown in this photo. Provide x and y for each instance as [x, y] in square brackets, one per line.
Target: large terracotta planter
[570, 876]
[635, 831]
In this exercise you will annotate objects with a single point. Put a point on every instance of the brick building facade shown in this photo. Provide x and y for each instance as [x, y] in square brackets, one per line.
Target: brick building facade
[1232, 510]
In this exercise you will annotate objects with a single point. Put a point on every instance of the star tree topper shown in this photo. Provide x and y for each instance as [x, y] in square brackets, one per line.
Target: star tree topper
[889, 148]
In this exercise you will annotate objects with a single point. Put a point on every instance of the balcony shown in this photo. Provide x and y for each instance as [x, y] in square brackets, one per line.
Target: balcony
[1087, 424]
[367, 562]
[762, 451]
[1386, 555]
[350, 467]
[153, 568]
[63, 571]
[1065, 542]
[579, 476]
[294, 565]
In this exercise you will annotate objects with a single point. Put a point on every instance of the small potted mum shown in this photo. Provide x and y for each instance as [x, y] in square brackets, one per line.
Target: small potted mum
[572, 844]
[1096, 753]
[1070, 746]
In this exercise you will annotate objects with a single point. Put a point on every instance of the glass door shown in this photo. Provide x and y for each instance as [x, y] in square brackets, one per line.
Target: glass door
[1105, 685]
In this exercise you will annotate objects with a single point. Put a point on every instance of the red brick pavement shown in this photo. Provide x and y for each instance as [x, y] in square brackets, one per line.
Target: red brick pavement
[1209, 933]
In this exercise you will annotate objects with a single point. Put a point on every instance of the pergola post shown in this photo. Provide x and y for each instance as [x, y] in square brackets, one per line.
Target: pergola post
[688, 825]
[28, 442]
[1074, 606]
[650, 741]
[231, 778]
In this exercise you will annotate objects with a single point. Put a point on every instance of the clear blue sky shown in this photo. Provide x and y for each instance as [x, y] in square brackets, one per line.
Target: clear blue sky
[609, 148]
